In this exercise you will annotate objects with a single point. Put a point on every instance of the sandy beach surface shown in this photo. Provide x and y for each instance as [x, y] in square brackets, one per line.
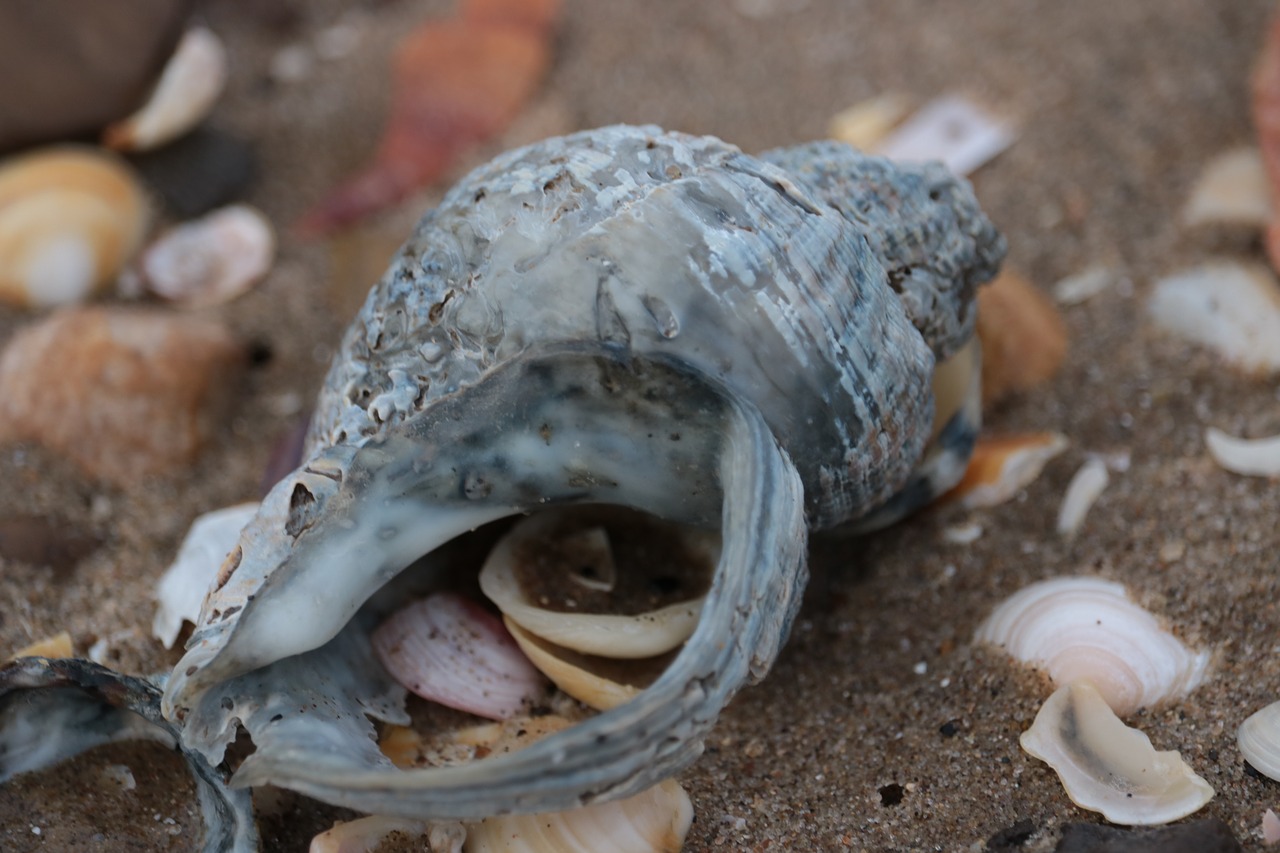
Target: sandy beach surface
[1118, 105]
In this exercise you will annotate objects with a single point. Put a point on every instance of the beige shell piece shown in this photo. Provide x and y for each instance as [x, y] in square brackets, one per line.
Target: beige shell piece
[1253, 457]
[1107, 767]
[654, 821]
[609, 635]
[57, 646]
[1002, 466]
[70, 217]
[187, 89]
[1259, 739]
[599, 682]
[213, 259]
[1226, 306]
[1231, 190]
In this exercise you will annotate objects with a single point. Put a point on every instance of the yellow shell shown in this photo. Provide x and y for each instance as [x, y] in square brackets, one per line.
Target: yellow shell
[70, 218]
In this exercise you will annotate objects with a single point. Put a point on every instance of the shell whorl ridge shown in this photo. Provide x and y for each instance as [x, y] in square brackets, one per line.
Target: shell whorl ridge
[622, 316]
[682, 247]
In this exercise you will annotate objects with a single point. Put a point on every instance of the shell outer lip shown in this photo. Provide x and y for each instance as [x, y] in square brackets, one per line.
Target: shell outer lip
[748, 614]
[227, 814]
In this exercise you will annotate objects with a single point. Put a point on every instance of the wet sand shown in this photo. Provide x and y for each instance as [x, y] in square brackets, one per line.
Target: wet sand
[1118, 104]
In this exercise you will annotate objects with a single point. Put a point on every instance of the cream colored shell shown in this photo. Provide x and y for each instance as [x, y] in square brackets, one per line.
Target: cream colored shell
[70, 218]
[653, 821]
[614, 636]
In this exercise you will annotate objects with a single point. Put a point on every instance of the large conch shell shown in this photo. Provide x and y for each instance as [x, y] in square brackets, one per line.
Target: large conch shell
[622, 316]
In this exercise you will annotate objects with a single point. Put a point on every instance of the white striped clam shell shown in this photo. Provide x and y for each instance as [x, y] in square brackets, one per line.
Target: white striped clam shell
[1259, 740]
[1086, 628]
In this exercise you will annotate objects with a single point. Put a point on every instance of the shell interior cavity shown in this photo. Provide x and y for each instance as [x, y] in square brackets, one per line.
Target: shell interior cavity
[625, 317]
[522, 571]
[1107, 767]
[1087, 628]
[1259, 739]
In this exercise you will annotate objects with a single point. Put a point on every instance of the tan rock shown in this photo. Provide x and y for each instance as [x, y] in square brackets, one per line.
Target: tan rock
[1023, 337]
[124, 393]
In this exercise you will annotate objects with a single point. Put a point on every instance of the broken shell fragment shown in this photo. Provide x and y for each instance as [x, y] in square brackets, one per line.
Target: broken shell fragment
[212, 259]
[1270, 827]
[1259, 740]
[1086, 628]
[593, 680]
[408, 747]
[1080, 287]
[367, 833]
[187, 89]
[865, 124]
[1258, 457]
[1002, 466]
[450, 650]
[1107, 767]
[1229, 307]
[57, 646]
[653, 821]
[183, 586]
[69, 220]
[1084, 489]
[54, 710]
[1232, 190]
[541, 575]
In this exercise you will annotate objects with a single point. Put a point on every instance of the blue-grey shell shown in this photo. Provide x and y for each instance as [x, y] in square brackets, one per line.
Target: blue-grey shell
[795, 287]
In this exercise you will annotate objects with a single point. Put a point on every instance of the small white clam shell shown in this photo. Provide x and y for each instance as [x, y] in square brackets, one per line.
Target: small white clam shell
[1259, 740]
[1084, 489]
[1257, 457]
[212, 259]
[1229, 307]
[183, 585]
[1086, 628]
[951, 129]
[653, 821]
[69, 220]
[600, 682]
[450, 650]
[187, 89]
[1107, 767]
[609, 635]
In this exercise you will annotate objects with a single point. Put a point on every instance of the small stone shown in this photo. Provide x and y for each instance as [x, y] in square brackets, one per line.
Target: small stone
[82, 63]
[123, 393]
[40, 541]
[1023, 337]
[1011, 837]
[1198, 836]
[203, 170]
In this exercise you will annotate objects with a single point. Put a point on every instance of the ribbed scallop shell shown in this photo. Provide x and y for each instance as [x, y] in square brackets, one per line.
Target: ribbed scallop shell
[1086, 628]
[1259, 739]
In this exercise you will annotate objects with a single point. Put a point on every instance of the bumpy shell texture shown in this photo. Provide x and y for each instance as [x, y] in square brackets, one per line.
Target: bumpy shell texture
[621, 316]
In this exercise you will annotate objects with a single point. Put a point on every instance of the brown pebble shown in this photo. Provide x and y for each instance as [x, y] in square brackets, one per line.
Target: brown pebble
[1023, 337]
[1198, 836]
[41, 541]
[82, 63]
[123, 393]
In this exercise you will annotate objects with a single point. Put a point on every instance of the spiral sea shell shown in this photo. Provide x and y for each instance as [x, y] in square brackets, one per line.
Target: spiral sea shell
[622, 316]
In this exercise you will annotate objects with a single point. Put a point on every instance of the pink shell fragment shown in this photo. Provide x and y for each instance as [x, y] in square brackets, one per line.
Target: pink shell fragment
[449, 649]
